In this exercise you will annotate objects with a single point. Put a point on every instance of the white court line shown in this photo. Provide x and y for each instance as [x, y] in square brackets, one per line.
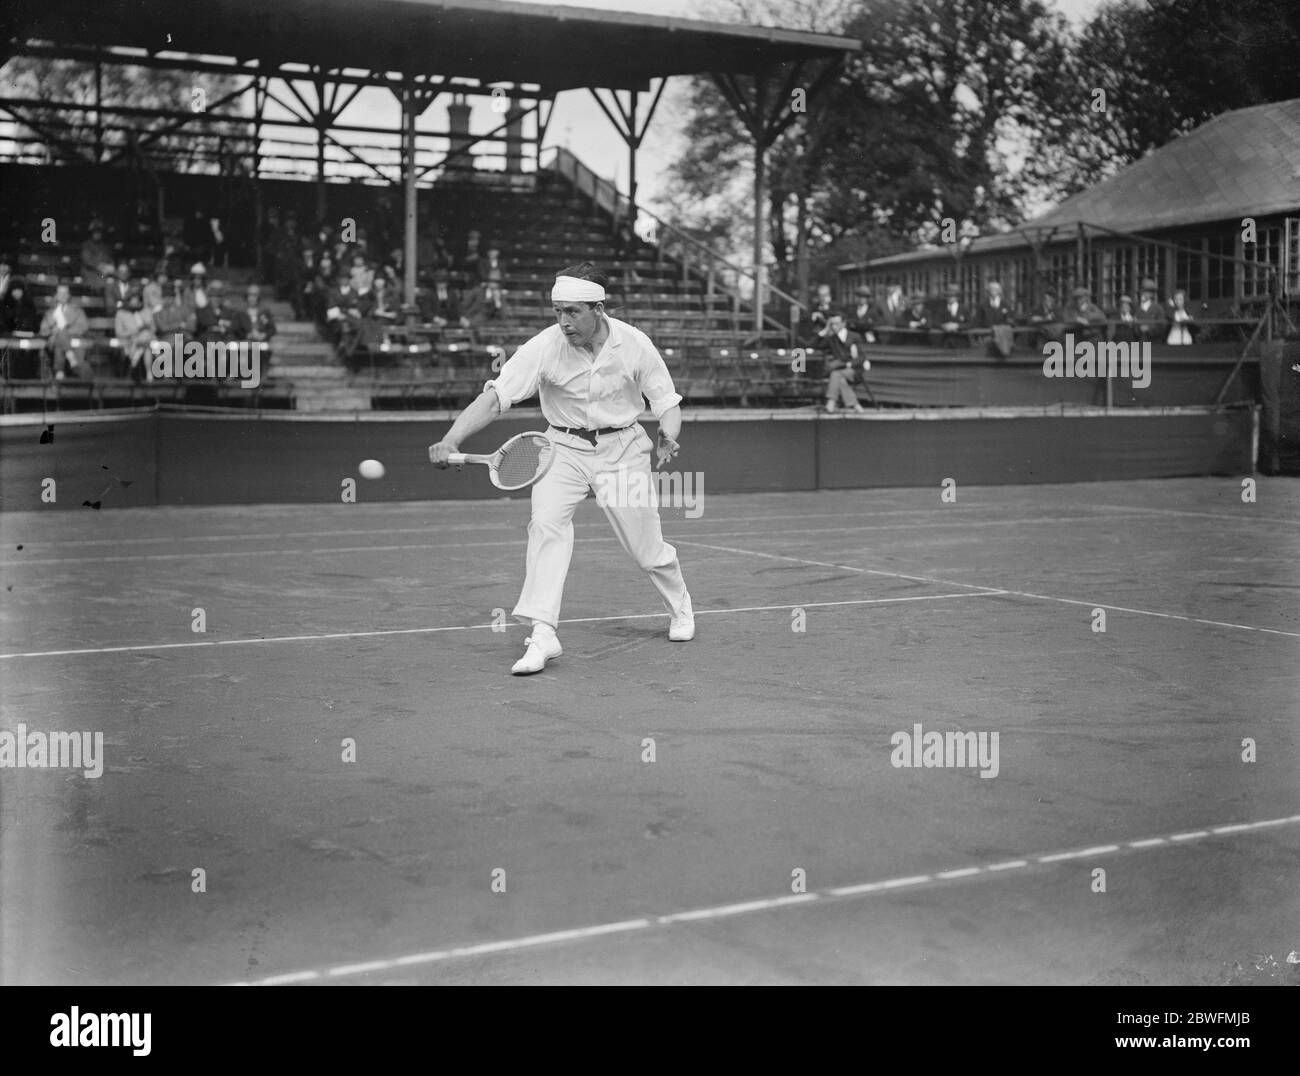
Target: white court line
[1246, 516]
[726, 911]
[976, 587]
[513, 523]
[480, 627]
[444, 546]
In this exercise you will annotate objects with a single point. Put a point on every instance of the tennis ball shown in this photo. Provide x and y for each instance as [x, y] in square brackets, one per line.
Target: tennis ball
[371, 469]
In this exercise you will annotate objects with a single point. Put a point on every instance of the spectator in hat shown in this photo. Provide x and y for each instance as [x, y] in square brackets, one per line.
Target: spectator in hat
[1181, 329]
[918, 320]
[118, 288]
[846, 361]
[1046, 316]
[255, 323]
[893, 313]
[17, 308]
[213, 318]
[863, 315]
[954, 317]
[1152, 318]
[820, 308]
[133, 326]
[1124, 326]
[64, 324]
[1086, 319]
[96, 258]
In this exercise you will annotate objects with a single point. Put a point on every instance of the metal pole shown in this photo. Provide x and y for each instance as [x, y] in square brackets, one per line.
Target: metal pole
[632, 144]
[408, 181]
[760, 232]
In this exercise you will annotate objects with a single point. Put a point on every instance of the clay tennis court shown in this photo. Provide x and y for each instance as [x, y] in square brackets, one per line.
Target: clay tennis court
[1119, 750]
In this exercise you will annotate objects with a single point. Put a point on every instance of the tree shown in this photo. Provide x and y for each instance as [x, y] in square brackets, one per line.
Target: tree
[1165, 67]
[917, 129]
[75, 135]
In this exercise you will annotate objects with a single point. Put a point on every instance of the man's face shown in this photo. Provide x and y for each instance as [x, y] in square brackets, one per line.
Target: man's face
[123, 271]
[835, 323]
[62, 294]
[578, 321]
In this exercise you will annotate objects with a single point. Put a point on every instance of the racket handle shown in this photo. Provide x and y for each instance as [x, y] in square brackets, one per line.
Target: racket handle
[457, 458]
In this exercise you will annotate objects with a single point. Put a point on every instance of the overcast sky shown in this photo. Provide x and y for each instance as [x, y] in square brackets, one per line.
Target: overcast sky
[579, 123]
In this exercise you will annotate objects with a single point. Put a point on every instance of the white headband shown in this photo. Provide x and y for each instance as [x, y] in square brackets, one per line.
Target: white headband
[572, 289]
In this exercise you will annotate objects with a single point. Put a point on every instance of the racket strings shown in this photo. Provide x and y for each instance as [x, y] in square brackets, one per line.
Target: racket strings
[522, 461]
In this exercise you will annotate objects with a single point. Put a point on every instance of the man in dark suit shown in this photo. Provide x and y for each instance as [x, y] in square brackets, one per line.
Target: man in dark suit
[1152, 317]
[954, 317]
[255, 323]
[864, 314]
[846, 363]
[1086, 318]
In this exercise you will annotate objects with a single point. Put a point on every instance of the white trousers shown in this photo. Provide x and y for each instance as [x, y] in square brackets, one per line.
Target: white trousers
[556, 497]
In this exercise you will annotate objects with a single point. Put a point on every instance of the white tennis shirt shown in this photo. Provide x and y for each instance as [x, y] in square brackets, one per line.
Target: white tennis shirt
[588, 394]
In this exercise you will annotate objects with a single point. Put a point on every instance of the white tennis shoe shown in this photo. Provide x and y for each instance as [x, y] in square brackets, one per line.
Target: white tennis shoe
[681, 629]
[540, 650]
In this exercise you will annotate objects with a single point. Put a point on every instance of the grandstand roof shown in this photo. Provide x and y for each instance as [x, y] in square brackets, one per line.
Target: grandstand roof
[1241, 163]
[553, 46]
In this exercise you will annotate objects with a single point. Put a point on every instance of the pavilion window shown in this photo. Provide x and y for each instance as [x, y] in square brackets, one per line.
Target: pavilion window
[1267, 252]
[1220, 271]
[1291, 269]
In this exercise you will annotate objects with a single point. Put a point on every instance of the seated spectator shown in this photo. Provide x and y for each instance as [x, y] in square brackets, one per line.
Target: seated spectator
[96, 258]
[361, 274]
[134, 328]
[118, 288]
[347, 314]
[18, 312]
[213, 318]
[918, 320]
[318, 290]
[1047, 317]
[173, 316]
[255, 322]
[1181, 329]
[477, 307]
[196, 289]
[63, 324]
[1152, 318]
[895, 309]
[864, 314]
[995, 315]
[156, 291]
[845, 363]
[439, 303]
[954, 317]
[820, 309]
[492, 274]
[6, 277]
[1125, 326]
[1086, 319]
[385, 311]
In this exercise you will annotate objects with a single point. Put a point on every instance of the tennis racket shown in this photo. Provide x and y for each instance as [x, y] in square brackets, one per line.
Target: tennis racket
[518, 463]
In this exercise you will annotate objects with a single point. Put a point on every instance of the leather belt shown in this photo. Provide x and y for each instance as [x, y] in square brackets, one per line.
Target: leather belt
[591, 435]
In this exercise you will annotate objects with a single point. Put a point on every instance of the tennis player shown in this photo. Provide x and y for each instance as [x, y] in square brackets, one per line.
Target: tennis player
[590, 371]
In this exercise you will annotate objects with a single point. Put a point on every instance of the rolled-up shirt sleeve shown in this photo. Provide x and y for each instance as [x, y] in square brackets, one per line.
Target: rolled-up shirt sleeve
[519, 376]
[654, 380]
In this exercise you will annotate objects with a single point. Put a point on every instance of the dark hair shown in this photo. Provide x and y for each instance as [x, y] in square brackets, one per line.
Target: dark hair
[588, 271]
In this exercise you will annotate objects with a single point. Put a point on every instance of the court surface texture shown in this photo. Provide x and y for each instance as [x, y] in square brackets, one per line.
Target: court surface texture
[727, 810]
